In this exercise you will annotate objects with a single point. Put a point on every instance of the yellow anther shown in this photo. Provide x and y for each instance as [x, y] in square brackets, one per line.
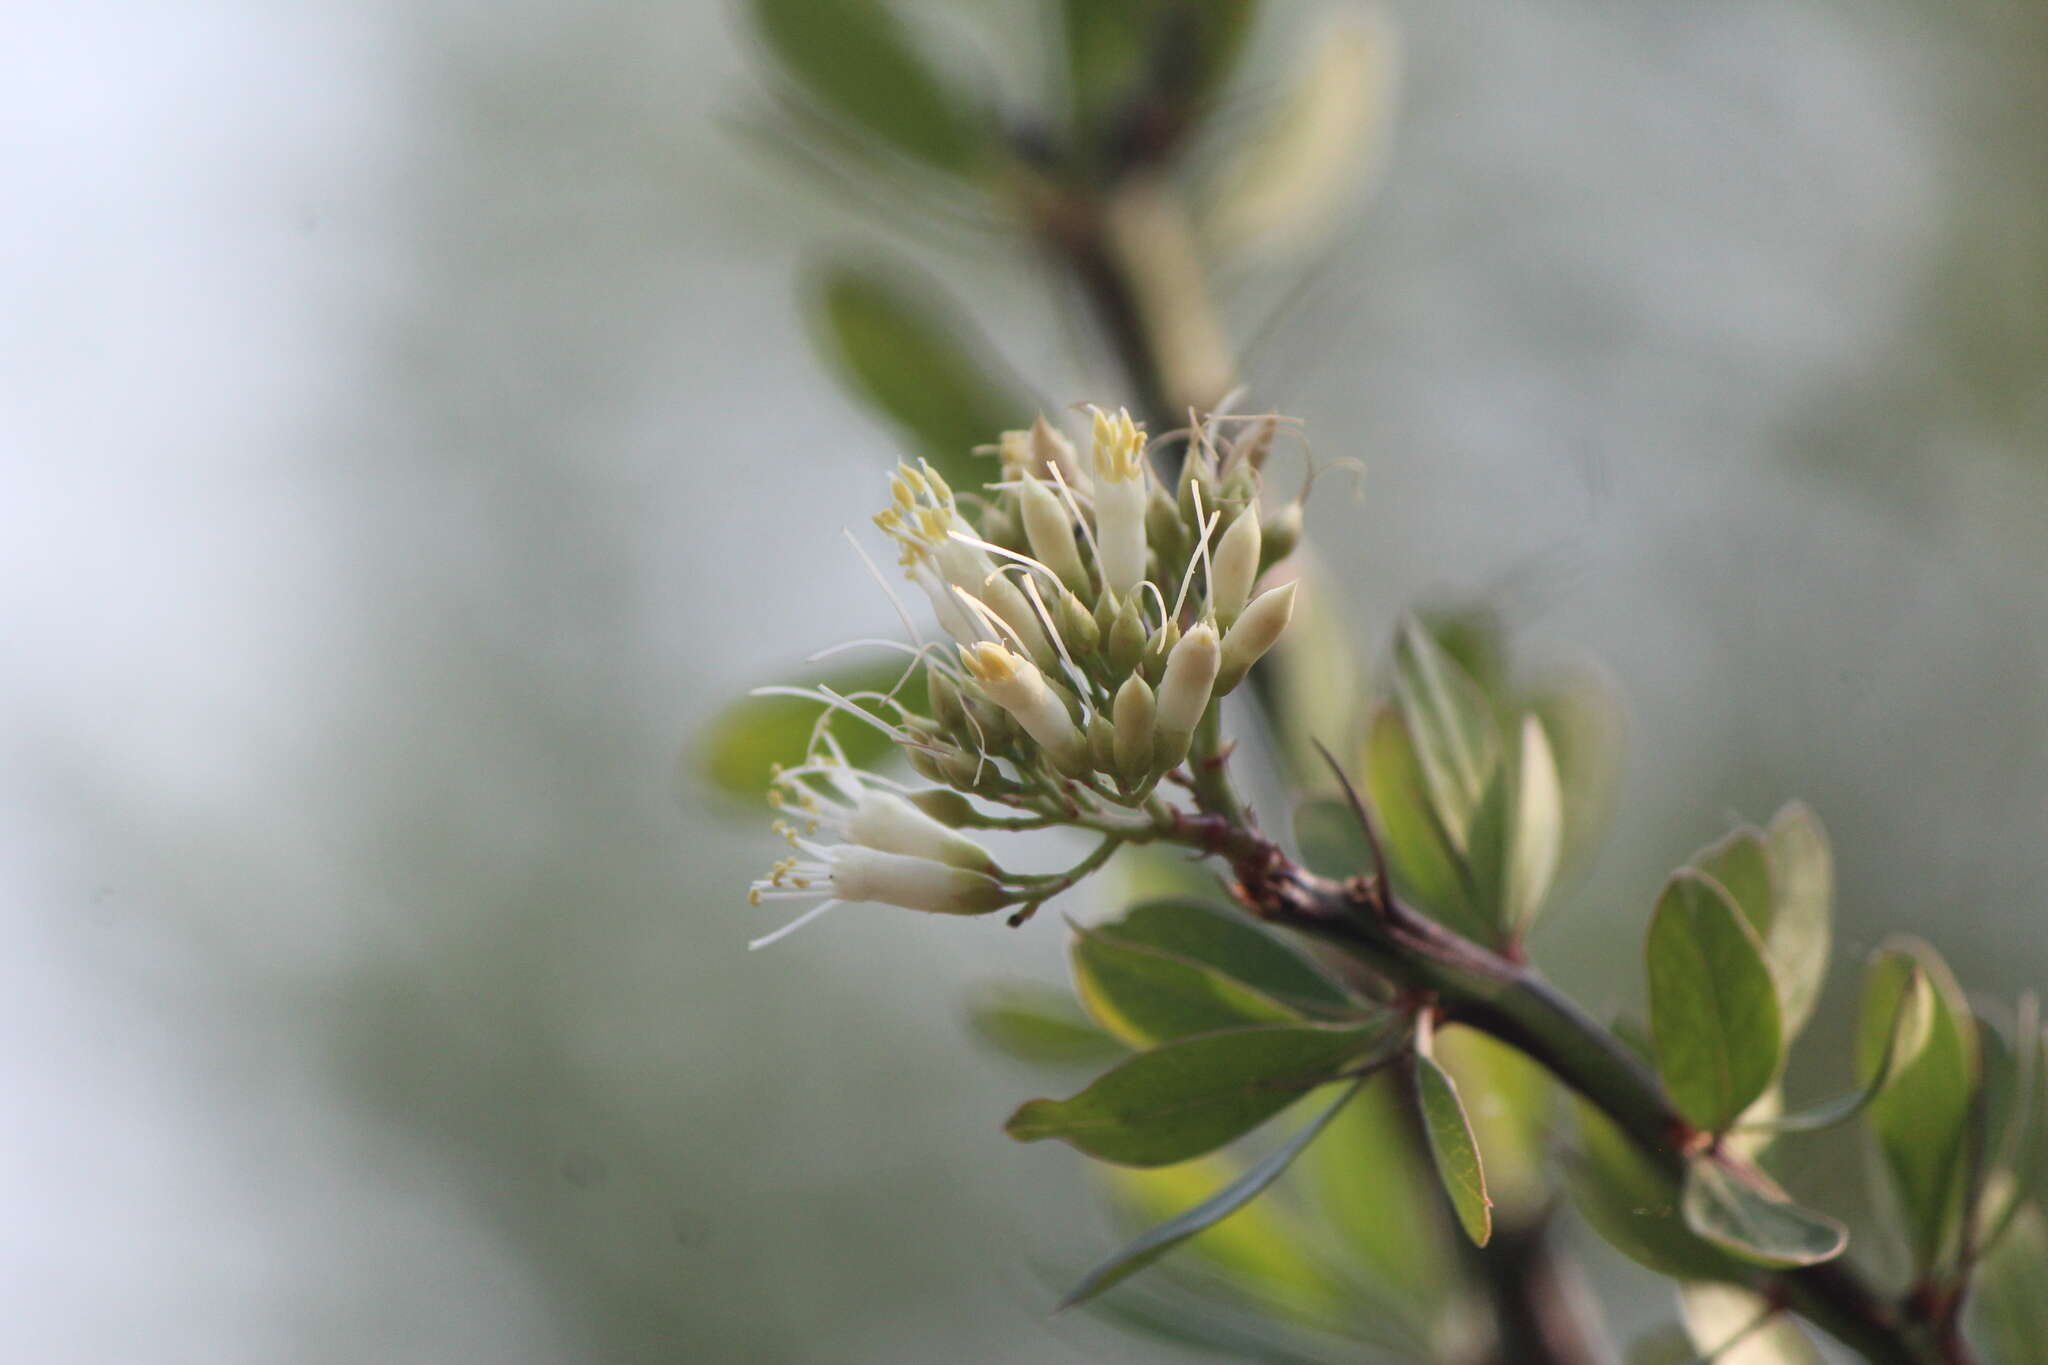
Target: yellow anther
[1117, 443]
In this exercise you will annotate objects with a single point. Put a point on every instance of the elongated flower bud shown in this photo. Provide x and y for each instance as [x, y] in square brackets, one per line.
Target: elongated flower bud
[1158, 650]
[1049, 527]
[1282, 532]
[885, 821]
[1016, 685]
[1184, 693]
[1135, 714]
[1077, 625]
[1050, 450]
[1255, 632]
[949, 808]
[1101, 743]
[867, 874]
[1119, 501]
[1127, 638]
[1234, 568]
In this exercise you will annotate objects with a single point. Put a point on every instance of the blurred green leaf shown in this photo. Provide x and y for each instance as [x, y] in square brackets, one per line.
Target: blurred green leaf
[1226, 1201]
[1536, 843]
[2008, 1307]
[1509, 1101]
[1907, 1035]
[1187, 1098]
[1038, 1024]
[1368, 1179]
[1740, 866]
[1451, 724]
[1920, 1117]
[1329, 838]
[905, 352]
[1117, 49]
[853, 57]
[1732, 1326]
[1713, 1008]
[1803, 896]
[1290, 176]
[1453, 1148]
[1583, 720]
[1742, 1214]
[1424, 865]
[2016, 1121]
[1634, 1204]
[1232, 945]
[1146, 996]
[747, 737]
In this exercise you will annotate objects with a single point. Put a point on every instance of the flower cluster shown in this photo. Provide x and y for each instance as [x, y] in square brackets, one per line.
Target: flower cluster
[1094, 613]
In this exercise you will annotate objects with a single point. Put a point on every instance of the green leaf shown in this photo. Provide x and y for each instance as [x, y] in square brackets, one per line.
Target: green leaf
[1713, 1008]
[905, 352]
[1232, 945]
[1226, 1201]
[1369, 1179]
[747, 737]
[1536, 846]
[1583, 719]
[1801, 932]
[1453, 1149]
[2008, 1305]
[1742, 1213]
[1740, 866]
[1038, 1024]
[1511, 1104]
[1188, 1098]
[1451, 723]
[1732, 1326]
[1117, 48]
[853, 58]
[1329, 838]
[1634, 1204]
[1920, 1117]
[1147, 996]
[2016, 1119]
[1907, 1035]
[1425, 867]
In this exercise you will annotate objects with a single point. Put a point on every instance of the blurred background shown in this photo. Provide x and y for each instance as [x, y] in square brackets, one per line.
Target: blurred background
[410, 437]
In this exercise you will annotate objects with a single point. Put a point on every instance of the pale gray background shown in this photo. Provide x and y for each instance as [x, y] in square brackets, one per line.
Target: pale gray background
[407, 436]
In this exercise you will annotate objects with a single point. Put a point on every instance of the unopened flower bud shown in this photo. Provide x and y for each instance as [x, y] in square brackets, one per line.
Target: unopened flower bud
[1240, 488]
[1015, 684]
[1127, 638]
[1184, 693]
[866, 874]
[1170, 537]
[1136, 712]
[1051, 450]
[1049, 527]
[1254, 445]
[1119, 500]
[1281, 534]
[885, 821]
[1256, 631]
[949, 808]
[1159, 649]
[1077, 625]
[1102, 743]
[1234, 567]
[943, 695]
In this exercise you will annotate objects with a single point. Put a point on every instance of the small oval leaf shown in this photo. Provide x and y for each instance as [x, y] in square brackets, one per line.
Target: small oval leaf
[1146, 996]
[1740, 1212]
[1038, 1024]
[904, 351]
[854, 59]
[1713, 1007]
[1454, 1149]
[1231, 944]
[746, 738]
[1188, 1098]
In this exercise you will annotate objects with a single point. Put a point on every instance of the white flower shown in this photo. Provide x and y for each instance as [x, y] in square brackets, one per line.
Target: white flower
[858, 810]
[1017, 686]
[1120, 496]
[942, 555]
[841, 873]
